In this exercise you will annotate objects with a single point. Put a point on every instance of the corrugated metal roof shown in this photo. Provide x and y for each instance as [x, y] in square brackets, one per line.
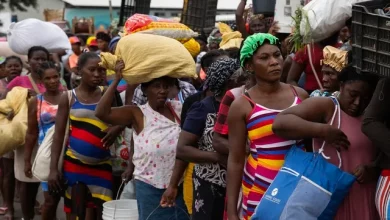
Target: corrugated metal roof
[174, 4]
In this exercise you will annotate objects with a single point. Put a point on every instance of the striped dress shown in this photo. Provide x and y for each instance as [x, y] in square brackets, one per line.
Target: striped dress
[86, 160]
[266, 157]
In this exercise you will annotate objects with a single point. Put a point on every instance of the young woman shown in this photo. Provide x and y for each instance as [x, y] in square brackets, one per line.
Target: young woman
[251, 117]
[13, 67]
[195, 146]
[87, 172]
[41, 117]
[376, 125]
[311, 119]
[29, 186]
[156, 128]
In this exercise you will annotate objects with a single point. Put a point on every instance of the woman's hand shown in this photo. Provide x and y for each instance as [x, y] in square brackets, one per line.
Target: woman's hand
[128, 174]
[274, 29]
[335, 137]
[169, 197]
[11, 115]
[112, 134]
[54, 181]
[365, 174]
[27, 169]
[120, 65]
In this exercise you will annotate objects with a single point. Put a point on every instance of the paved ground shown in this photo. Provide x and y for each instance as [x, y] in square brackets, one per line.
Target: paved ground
[18, 211]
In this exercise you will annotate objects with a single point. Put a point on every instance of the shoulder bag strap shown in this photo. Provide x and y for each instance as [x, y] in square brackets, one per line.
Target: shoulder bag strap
[34, 85]
[173, 112]
[312, 67]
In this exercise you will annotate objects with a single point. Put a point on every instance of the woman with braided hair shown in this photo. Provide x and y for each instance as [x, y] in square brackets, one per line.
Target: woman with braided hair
[251, 117]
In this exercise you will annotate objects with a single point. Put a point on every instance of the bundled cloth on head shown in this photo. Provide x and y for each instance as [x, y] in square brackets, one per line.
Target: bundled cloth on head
[253, 42]
[335, 58]
[148, 57]
[219, 73]
[230, 38]
[13, 132]
[158, 26]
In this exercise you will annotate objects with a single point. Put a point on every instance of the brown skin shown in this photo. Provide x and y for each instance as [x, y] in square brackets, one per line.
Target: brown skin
[131, 115]
[13, 68]
[76, 48]
[103, 45]
[309, 120]
[51, 81]
[345, 34]
[330, 80]
[89, 93]
[269, 92]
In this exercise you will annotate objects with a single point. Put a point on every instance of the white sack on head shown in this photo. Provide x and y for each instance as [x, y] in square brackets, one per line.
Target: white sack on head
[33, 32]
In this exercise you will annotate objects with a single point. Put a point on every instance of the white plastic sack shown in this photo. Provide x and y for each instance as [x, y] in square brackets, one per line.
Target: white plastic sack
[325, 18]
[128, 191]
[33, 32]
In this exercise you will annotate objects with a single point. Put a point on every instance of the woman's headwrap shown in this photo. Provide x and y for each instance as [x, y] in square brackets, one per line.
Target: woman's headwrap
[219, 74]
[212, 38]
[335, 58]
[253, 42]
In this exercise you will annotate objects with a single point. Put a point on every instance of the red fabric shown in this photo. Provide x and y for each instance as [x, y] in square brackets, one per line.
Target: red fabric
[302, 57]
[221, 125]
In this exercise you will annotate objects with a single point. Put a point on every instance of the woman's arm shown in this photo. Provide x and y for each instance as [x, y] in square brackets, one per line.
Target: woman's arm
[306, 120]
[376, 115]
[309, 120]
[237, 155]
[240, 19]
[62, 118]
[187, 151]
[31, 135]
[295, 73]
[125, 115]
[221, 143]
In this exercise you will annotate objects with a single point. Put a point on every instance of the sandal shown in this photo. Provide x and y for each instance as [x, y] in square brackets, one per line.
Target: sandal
[3, 210]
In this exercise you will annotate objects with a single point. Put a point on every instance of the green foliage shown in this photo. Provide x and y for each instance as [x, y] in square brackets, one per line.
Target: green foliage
[297, 39]
[18, 5]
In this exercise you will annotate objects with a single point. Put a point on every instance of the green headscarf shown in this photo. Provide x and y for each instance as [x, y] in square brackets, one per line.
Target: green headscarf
[253, 42]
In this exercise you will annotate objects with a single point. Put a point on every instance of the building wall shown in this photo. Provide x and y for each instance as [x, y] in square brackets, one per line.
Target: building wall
[38, 12]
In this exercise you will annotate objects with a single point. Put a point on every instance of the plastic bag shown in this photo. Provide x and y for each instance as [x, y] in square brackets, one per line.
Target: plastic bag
[325, 17]
[129, 191]
[13, 133]
[33, 32]
[119, 155]
[148, 57]
[158, 26]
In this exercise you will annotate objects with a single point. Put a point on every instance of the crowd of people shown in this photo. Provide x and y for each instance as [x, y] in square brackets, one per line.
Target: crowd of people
[205, 148]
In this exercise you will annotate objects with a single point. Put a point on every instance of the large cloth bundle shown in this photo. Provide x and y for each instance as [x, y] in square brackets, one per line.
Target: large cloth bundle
[322, 18]
[148, 57]
[13, 132]
[158, 26]
[193, 47]
[33, 32]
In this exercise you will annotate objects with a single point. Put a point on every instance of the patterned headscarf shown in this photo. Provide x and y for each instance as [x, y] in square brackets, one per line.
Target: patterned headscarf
[219, 73]
[253, 42]
[213, 39]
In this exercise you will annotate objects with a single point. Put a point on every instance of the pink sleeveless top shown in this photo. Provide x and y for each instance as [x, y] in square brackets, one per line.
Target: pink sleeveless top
[360, 202]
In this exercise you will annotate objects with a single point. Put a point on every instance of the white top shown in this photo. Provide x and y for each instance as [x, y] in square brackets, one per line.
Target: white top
[155, 147]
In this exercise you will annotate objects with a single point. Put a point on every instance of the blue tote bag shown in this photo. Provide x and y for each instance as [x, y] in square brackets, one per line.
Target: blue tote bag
[306, 187]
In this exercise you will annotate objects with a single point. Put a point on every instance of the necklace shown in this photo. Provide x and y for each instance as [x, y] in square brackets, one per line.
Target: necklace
[82, 98]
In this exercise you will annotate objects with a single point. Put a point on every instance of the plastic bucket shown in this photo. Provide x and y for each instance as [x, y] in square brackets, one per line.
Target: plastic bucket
[266, 7]
[120, 209]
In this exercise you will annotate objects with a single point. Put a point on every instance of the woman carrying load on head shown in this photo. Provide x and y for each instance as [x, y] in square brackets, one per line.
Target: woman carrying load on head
[86, 182]
[156, 126]
[347, 147]
[251, 117]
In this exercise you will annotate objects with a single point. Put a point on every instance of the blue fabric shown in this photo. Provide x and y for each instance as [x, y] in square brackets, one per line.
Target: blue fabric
[306, 187]
[195, 120]
[45, 186]
[148, 202]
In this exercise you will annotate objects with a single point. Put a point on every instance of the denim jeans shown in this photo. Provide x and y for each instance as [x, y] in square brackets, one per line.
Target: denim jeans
[148, 201]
